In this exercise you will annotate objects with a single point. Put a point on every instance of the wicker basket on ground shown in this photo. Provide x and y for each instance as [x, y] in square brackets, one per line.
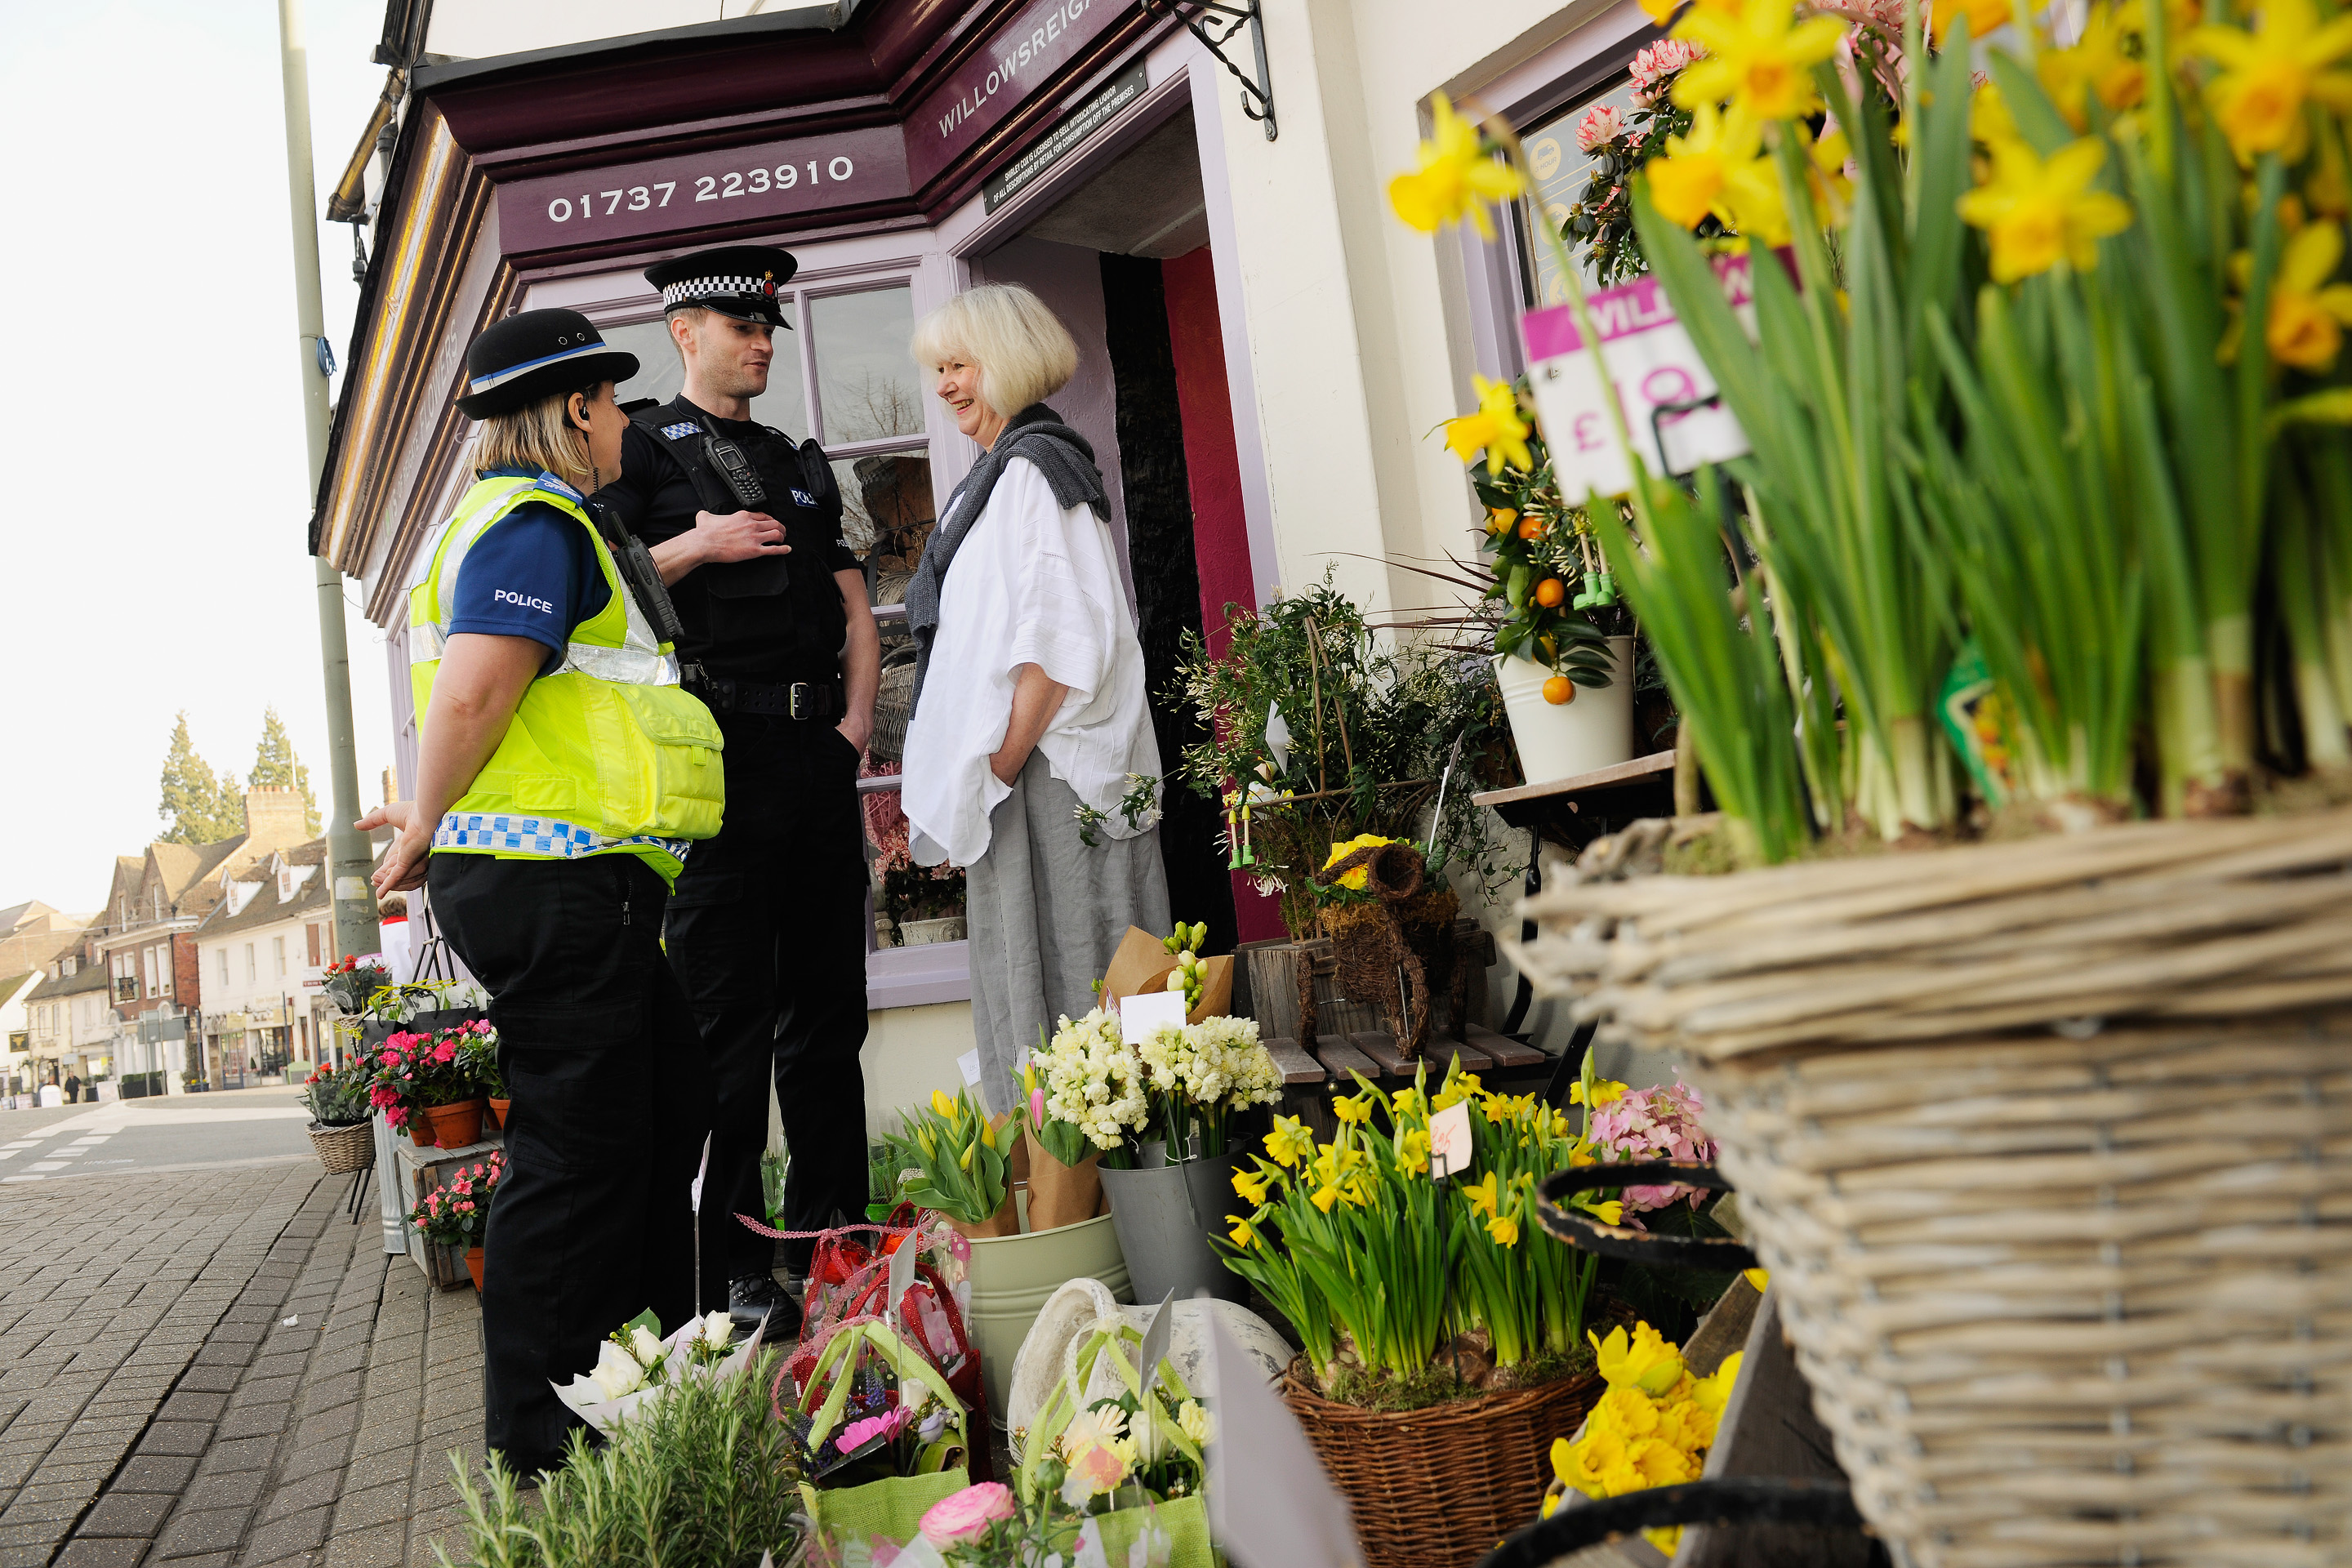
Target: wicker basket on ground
[345, 1149]
[1437, 1487]
[2049, 1148]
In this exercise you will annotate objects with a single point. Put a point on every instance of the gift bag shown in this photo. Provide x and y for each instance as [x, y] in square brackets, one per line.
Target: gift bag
[1109, 1359]
[893, 1507]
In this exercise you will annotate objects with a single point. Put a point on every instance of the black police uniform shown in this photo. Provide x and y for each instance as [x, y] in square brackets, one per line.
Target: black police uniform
[767, 925]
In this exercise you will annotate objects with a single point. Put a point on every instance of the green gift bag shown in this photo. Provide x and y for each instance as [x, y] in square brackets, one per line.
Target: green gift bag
[891, 1509]
[1184, 1520]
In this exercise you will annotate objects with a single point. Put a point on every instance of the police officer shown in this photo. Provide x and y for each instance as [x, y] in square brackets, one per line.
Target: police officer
[767, 926]
[561, 775]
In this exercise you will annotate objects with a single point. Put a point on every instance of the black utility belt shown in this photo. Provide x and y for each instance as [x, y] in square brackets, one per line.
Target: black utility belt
[803, 699]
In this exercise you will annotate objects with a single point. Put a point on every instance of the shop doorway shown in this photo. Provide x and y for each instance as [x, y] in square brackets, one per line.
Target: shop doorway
[1124, 259]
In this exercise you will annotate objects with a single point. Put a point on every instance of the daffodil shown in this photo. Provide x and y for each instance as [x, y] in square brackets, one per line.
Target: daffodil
[1290, 1142]
[1720, 168]
[1324, 1196]
[1412, 1152]
[1709, 1393]
[1457, 177]
[2095, 66]
[1459, 1087]
[1990, 121]
[2308, 314]
[1504, 1229]
[1644, 1361]
[1482, 1196]
[1983, 15]
[1251, 1185]
[2036, 213]
[1353, 1108]
[1243, 1233]
[1613, 1212]
[1758, 1277]
[1758, 57]
[2268, 73]
[1605, 1091]
[1498, 427]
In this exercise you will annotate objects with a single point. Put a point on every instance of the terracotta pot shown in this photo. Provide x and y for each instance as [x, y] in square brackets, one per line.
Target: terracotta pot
[455, 1126]
[474, 1267]
[499, 1112]
[420, 1131]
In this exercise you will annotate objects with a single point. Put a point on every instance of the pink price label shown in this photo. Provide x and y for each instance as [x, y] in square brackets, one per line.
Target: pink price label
[1622, 312]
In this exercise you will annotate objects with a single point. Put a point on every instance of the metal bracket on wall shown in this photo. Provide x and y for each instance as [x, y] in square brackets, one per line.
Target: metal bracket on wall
[1215, 25]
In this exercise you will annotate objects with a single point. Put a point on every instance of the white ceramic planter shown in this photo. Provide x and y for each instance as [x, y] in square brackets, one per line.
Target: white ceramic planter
[922, 933]
[1560, 740]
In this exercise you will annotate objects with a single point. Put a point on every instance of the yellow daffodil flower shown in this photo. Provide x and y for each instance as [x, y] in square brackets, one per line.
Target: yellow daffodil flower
[1457, 176]
[1760, 1277]
[1243, 1233]
[1354, 1108]
[2096, 65]
[1412, 1152]
[1455, 1089]
[1709, 1393]
[1759, 56]
[1499, 429]
[1324, 1196]
[1251, 1185]
[2268, 73]
[1990, 121]
[1504, 1229]
[1605, 1091]
[1644, 1361]
[2308, 314]
[2037, 213]
[1482, 1196]
[1290, 1142]
[1609, 1213]
[1720, 168]
[1983, 17]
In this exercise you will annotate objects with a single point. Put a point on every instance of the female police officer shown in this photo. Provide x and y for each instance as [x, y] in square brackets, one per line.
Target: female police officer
[560, 773]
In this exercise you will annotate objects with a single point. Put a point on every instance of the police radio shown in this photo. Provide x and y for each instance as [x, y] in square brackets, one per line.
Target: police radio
[729, 462]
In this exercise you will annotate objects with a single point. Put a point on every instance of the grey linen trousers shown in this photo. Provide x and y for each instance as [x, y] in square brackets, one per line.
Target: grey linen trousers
[1045, 913]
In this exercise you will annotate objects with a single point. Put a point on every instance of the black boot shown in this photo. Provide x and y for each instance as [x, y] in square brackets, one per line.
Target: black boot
[754, 1298]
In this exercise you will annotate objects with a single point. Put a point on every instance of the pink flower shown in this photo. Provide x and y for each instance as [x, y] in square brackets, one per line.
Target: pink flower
[1601, 124]
[965, 1516]
[1653, 65]
[445, 1051]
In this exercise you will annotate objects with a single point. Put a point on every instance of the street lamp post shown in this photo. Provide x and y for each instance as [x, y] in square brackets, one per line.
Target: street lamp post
[348, 860]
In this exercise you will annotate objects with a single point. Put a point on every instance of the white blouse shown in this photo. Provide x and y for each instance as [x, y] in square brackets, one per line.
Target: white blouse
[1037, 584]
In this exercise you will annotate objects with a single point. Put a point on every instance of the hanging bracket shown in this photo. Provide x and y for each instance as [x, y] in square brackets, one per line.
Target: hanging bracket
[1217, 25]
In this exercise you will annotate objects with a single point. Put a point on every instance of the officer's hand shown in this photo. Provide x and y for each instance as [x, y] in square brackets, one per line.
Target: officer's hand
[739, 536]
[403, 862]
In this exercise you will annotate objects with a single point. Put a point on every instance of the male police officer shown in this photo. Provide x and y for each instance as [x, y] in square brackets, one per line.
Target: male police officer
[767, 927]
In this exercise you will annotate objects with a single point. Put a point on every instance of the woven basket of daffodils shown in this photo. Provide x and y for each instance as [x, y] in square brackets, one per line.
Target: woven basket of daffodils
[2048, 1147]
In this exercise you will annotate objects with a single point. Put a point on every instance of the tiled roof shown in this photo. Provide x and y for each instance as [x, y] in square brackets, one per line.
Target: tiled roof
[263, 909]
[88, 977]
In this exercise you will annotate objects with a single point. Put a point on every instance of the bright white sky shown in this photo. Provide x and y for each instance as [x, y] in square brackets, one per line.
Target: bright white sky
[151, 431]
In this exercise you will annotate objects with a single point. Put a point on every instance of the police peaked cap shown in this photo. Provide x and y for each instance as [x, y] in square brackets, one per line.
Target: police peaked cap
[738, 280]
[536, 354]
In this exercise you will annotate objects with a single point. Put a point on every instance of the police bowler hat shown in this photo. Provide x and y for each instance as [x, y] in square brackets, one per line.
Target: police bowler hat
[536, 354]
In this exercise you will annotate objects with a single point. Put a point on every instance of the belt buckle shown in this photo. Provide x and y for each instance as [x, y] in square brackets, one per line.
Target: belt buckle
[797, 688]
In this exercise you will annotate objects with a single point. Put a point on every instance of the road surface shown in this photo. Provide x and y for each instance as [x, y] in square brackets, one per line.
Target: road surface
[239, 1128]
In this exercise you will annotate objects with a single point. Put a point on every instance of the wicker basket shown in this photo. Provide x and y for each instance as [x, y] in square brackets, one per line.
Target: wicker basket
[345, 1149]
[2049, 1148]
[1437, 1487]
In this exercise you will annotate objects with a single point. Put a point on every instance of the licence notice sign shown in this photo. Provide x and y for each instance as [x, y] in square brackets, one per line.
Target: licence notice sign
[1664, 387]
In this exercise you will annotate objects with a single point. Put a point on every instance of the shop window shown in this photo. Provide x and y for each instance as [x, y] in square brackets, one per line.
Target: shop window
[1561, 169]
[661, 374]
[221, 953]
[866, 389]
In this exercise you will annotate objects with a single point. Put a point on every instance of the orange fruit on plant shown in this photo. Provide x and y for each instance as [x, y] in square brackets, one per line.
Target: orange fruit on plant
[1550, 592]
[1559, 690]
[1499, 519]
[1531, 528]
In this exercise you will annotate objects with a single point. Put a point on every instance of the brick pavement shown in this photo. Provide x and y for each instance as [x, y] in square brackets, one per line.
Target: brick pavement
[227, 1436]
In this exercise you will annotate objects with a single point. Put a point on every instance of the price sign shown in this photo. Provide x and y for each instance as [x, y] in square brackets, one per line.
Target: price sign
[1659, 377]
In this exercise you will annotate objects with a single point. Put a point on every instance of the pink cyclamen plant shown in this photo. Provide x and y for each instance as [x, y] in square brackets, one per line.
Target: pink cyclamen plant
[1656, 1123]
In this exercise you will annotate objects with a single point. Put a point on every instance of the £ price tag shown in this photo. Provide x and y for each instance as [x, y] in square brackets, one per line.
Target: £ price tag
[1658, 374]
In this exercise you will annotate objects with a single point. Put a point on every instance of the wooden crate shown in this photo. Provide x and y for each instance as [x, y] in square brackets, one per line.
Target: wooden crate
[418, 1172]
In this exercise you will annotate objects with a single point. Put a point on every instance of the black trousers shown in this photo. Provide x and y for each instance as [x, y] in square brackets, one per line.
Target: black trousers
[768, 933]
[593, 1223]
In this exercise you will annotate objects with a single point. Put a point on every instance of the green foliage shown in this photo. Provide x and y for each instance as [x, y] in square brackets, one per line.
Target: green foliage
[1534, 537]
[198, 807]
[705, 1476]
[276, 765]
[966, 1165]
[1373, 725]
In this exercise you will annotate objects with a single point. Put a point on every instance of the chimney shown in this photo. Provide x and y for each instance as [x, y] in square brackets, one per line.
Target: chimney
[274, 817]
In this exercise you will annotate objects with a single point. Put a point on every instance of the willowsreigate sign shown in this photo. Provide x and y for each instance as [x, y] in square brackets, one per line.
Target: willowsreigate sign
[1016, 60]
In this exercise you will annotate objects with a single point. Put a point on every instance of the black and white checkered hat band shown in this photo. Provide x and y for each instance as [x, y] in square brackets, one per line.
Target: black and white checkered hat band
[694, 289]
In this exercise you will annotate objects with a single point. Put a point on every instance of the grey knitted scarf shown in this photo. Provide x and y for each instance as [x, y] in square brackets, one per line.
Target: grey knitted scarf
[1061, 453]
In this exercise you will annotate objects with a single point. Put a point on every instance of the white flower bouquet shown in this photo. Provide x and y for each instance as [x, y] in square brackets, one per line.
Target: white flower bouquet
[1200, 1075]
[1179, 1083]
[637, 1365]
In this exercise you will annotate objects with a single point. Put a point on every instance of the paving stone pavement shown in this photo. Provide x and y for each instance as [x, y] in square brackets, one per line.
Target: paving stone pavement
[217, 1433]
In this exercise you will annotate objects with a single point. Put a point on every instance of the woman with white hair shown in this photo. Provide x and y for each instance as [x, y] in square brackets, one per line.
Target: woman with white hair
[1029, 717]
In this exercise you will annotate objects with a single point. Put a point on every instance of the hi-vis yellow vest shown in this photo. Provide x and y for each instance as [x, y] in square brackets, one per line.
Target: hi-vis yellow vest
[605, 755]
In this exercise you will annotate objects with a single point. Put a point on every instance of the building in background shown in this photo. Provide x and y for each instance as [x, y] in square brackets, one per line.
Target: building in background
[1266, 352]
[17, 1031]
[261, 956]
[33, 936]
[71, 1020]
